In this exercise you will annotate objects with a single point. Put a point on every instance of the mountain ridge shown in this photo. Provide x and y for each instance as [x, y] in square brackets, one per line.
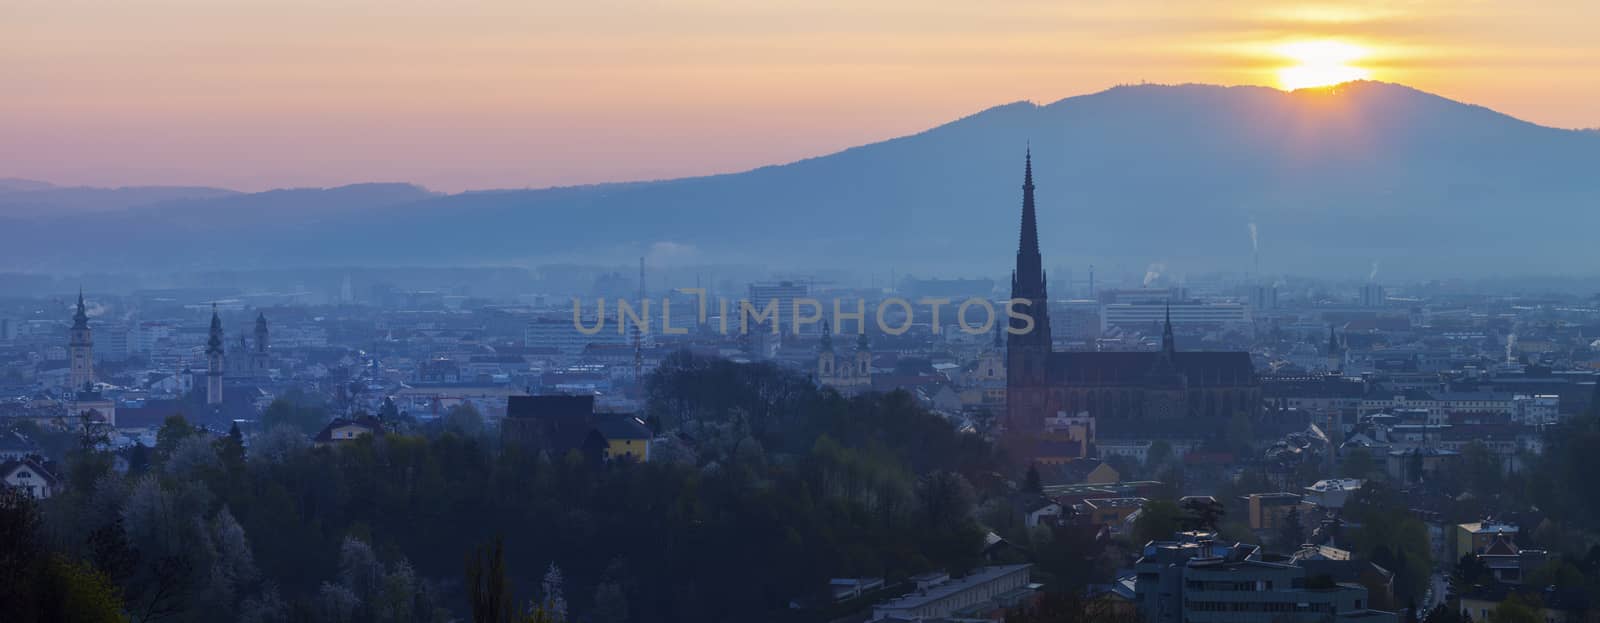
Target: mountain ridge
[1334, 178]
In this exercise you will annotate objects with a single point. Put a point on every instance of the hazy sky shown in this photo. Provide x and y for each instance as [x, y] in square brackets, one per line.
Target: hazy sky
[253, 94]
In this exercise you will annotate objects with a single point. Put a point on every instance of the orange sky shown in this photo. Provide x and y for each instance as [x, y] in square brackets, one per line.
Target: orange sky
[253, 94]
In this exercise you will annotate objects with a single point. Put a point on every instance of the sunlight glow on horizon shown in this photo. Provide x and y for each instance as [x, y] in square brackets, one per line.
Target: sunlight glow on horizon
[1321, 63]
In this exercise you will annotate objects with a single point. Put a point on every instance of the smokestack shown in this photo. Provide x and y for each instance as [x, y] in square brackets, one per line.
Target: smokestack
[1255, 248]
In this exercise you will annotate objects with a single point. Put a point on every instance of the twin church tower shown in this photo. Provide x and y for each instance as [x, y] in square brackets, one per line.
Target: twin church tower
[251, 361]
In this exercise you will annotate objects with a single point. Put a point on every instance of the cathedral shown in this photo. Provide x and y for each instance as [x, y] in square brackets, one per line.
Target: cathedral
[849, 375]
[1044, 386]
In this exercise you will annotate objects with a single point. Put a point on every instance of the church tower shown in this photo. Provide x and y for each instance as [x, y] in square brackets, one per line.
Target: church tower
[80, 347]
[261, 332]
[259, 361]
[1165, 385]
[1028, 353]
[863, 368]
[1335, 354]
[825, 361]
[214, 360]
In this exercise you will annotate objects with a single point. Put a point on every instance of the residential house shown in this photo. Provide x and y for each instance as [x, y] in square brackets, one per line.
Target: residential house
[1112, 512]
[1478, 536]
[1081, 472]
[15, 446]
[622, 436]
[30, 475]
[343, 430]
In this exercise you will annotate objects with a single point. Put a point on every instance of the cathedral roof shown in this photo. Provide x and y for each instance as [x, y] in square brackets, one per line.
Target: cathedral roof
[1199, 368]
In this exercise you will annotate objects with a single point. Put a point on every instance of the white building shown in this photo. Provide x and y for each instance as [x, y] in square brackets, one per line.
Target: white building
[1440, 404]
[1536, 410]
[939, 596]
[1332, 493]
[561, 334]
[29, 476]
[782, 294]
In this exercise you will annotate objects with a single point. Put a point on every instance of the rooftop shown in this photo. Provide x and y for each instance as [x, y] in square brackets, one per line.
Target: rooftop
[947, 588]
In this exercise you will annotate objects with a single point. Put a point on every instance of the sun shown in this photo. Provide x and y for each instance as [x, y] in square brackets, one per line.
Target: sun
[1320, 63]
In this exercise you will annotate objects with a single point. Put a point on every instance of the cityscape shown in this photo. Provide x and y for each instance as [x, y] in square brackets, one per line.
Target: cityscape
[1315, 347]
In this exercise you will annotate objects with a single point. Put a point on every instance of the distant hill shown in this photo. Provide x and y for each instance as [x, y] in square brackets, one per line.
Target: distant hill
[16, 184]
[31, 199]
[1335, 180]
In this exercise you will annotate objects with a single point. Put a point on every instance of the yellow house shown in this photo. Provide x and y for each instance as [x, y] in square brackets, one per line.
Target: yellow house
[623, 436]
[1476, 537]
[1268, 511]
[1079, 471]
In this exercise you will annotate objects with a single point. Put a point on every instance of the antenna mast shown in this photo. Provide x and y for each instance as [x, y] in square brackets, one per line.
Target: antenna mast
[638, 336]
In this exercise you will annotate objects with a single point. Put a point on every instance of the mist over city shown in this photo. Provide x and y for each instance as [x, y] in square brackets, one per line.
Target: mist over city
[829, 312]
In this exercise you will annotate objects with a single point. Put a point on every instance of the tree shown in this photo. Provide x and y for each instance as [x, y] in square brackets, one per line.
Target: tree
[1291, 534]
[1358, 463]
[138, 459]
[1469, 571]
[1387, 525]
[1033, 483]
[231, 448]
[486, 583]
[297, 410]
[1558, 573]
[464, 419]
[194, 456]
[1480, 470]
[1202, 513]
[1159, 519]
[173, 430]
[553, 591]
[1515, 609]
[1159, 453]
[23, 552]
[78, 592]
[945, 527]
[610, 604]
[278, 445]
[1443, 613]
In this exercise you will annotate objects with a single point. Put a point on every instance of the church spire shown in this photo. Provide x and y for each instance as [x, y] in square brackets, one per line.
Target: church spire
[1028, 241]
[1169, 344]
[214, 342]
[1028, 280]
[80, 319]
